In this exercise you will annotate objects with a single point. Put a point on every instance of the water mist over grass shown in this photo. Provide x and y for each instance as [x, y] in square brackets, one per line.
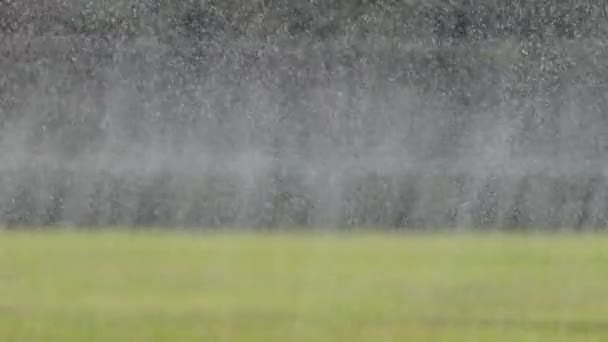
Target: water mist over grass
[298, 114]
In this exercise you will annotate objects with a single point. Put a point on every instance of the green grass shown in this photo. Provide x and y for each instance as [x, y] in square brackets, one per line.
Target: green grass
[113, 286]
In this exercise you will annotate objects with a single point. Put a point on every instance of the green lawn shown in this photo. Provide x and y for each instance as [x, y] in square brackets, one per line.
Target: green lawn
[111, 286]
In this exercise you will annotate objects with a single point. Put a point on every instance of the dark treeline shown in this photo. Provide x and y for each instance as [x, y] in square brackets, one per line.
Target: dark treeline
[294, 113]
[212, 18]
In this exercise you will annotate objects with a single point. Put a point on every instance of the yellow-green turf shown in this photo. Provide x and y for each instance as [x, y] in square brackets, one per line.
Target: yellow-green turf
[118, 286]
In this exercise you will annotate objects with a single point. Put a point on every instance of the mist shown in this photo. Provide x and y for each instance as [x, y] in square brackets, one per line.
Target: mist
[287, 114]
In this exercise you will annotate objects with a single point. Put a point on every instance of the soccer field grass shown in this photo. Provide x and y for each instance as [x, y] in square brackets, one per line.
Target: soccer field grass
[114, 286]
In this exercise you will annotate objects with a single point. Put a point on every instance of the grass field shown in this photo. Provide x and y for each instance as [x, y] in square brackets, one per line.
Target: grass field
[112, 286]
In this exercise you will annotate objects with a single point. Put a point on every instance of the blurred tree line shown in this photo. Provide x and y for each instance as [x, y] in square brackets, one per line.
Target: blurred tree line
[87, 85]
